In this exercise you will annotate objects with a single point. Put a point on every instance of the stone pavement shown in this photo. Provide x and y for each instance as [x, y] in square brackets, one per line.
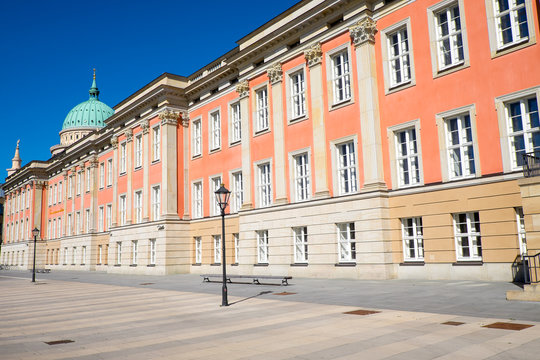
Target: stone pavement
[119, 318]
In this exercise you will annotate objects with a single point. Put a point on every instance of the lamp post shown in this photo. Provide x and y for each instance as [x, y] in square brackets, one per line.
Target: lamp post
[35, 232]
[222, 197]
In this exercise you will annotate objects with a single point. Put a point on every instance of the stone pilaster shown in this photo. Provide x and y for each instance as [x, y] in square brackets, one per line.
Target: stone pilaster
[129, 174]
[83, 191]
[73, 187]
[169, 153]
[145, 126]
[363, 37]
[275, 74]
[185, 125]
[64, 199]
[93, 172]
[114, 143]
[38, 198]
[314, 59]
[243, 90]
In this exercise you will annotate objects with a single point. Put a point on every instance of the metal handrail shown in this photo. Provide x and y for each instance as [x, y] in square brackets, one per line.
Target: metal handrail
[531, 265]
[531, 164]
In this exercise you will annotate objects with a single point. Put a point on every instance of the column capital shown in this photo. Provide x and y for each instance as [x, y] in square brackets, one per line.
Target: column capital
[94, 161]
[65, 173]
[185, 118]
[169, 117]
[129, 134]
[313, 55]
[114, 142]
[363, 31]
[243, 88]
[145, 125]
[275, 73]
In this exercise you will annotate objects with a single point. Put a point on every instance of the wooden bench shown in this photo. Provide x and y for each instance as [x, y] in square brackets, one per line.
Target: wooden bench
[255, 278]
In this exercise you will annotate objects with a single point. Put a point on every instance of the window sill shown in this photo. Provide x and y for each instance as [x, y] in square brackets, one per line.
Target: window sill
[196, 264]
[261, 132]
[155, 162]
[137, 168]
[215, 264]
[133, 265]
[213, 151]
[122, 174]
[151, 265]
[344, 264]
[412, 263]
[98, 264]
[235, 143]
[261, 264]
[395, 88]
[198, 156]
[83, 264]
[468, 263]
[235, 264]
[117, 265]
[451, 69]
[341, 104]
[297, 119]
[300, 264]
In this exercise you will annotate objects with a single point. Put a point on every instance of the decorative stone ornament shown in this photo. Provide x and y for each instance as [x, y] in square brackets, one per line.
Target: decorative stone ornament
[114, 142]
[129, 135]
[243, 88]
[275, 73]
[185, 118]
[169, 117]
[145, 126]
[94, 161]
[363, 31]
[313, 55]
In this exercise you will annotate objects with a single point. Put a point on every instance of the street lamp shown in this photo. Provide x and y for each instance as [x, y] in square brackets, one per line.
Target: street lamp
[222, 197]
[35, 232]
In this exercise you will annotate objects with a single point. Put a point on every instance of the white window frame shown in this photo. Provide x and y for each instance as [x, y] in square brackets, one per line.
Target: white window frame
[101, 218]
[197, 199]
[351, 170]
[346, 242]
[152, 251]
[395, 168]
[235, 123]
[156, 202]
[236, 243]
[109, 172]
[102, 175]
[510, 160]
[100, 255]
[413, 239]
[122, 209]
[138, 150]
[88, 178]
[390, 82]
[156, 143]
[262, 247]
[473, 236]
[214, 120]
[339, 74]
[88, 219]
[216, 240]
[449, 39]
[215, 183]
[83, 255]
[108, 215]
[138, 206]
[263, 171]
[118, 253]
[522, 234]
[237, 191]
[134, 252]
[496, 44]
[55, 196]
[300, 241]
[296, 94]
[196, 138]
[78, 222]
[69, 222]
[300, 175]
[198, 249]
[123, 157]
[262, 117]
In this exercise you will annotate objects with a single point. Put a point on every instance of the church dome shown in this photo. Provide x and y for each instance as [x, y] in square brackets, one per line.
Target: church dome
[89, 114]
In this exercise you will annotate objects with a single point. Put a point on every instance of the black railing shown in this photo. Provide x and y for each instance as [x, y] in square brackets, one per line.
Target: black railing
[531, 265]
[531, 164]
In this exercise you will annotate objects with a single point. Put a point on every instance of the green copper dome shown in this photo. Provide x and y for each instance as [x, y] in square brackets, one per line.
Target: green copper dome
[89, 114]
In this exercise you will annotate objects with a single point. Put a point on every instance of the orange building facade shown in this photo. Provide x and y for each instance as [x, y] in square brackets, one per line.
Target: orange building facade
[359, 139]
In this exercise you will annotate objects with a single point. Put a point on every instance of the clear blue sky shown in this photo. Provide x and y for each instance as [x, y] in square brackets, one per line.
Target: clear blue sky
[48, 50]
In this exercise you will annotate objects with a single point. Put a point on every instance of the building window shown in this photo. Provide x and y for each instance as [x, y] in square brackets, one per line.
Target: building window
[341, 77]
[407, 157]
[511, 22]
[78, 222]
[297, 94]
[65, 255]
[346, 242]
[262, 247]
[237, 192]
[109, 172]
[449, 36]
[198, 250]
[152, 251]
[101, 214]
[55, 196]
[83, 255]
[264, 185]
[100, 255]
[346, 168]
[467, 236]
[236, 239]
[69, 220]
[156, 140]
[88, 179]
[123, 209]
[50, 197]
[262, 109]
[197, 196]
[73, 255]
[123, 158]
[28, 198]
[156, 202]
[217, 248]
[118, 252]
[522, 235]
[459, 142]
[300, 244]
[215, 185]
[196, 140]
[138, 206]
[109, 216]
[138, 151]
[397, 56]
[215, 131]
[101, 175]
[236, 123]
[134, 252]
[301, 177]
[523, 129]
[413, 240]
[88, 220]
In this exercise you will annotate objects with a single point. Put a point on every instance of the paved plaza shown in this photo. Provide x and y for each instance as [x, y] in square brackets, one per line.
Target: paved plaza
[102, 316]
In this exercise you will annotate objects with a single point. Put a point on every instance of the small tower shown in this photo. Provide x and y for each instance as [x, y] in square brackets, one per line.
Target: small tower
[16, 161]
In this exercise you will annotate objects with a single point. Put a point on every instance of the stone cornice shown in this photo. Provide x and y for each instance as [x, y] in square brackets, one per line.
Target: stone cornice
[363, 31]
[313, 55]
